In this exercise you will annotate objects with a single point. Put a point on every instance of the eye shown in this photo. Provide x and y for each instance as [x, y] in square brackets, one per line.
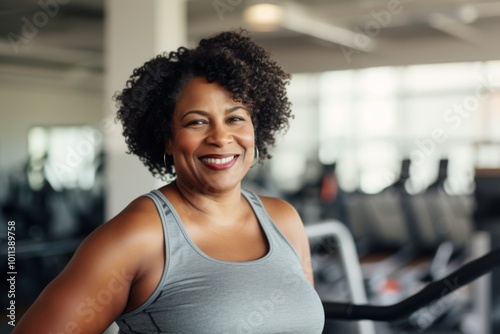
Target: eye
[196, 122]
[235, 119]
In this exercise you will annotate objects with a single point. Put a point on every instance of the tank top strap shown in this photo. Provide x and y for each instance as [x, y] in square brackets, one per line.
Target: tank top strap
[172, 230]
[175, 234]
[257, 206]
[266, 222]
[165, 214]
[166, 209]
[161, 206]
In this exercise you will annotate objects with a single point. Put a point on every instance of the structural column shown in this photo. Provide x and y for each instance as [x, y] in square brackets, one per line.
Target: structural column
[135, 31]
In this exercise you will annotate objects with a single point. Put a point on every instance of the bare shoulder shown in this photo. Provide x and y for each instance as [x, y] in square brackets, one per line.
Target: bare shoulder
[120, 245]
[94, 288]
[138, 222]
[290, 224]
[286, 218]
[134, 229]
[132, 237]
[281, 211]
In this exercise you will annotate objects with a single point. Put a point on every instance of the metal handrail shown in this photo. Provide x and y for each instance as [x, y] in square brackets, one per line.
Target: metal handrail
[350, 263]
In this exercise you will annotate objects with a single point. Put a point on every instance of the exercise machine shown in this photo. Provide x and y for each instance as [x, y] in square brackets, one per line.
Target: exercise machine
[358, 309]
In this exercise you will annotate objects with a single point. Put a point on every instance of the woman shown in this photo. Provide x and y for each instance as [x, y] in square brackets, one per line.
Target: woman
[199, 255]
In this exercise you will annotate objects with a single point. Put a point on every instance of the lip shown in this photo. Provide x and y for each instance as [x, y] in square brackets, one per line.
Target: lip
[219, 167]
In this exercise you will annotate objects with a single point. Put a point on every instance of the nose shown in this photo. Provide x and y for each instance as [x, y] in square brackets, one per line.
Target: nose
[219, 135]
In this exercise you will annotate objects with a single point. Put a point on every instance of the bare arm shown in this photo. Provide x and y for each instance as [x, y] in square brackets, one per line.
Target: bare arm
[93, 289]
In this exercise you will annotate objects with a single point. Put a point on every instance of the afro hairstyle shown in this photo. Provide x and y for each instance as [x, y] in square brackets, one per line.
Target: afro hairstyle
[233, 60]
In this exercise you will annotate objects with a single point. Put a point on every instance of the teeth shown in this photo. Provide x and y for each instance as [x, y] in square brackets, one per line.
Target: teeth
[217, 161]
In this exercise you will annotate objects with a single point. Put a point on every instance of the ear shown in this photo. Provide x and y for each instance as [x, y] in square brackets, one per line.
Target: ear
[168, 146]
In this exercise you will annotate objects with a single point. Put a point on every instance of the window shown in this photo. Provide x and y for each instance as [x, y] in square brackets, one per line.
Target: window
[368, 120]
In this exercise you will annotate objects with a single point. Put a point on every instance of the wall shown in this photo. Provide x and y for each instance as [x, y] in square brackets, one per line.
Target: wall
[28, 104]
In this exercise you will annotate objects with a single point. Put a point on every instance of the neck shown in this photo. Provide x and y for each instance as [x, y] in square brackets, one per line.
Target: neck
[209, 202]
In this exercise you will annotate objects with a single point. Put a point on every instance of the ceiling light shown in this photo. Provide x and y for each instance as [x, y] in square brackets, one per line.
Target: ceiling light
[468, 14]
[264, 17]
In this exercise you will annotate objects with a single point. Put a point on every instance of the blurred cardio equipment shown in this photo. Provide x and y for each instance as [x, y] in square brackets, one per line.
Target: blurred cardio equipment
[405, 240]
[56, 198]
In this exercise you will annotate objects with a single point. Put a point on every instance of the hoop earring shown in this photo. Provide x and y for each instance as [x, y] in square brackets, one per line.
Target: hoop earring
[165, 160]
[255, 157]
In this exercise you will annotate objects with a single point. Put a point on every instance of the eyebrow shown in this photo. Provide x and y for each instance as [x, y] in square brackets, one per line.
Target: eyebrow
[206, 113]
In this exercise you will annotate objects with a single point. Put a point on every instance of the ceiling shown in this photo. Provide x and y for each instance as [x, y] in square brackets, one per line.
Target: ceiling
[317, 35]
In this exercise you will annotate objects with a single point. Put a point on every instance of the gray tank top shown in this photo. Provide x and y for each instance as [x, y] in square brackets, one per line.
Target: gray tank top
[198, 294]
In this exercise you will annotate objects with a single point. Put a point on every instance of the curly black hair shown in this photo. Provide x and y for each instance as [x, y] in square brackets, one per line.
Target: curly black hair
[233, 60]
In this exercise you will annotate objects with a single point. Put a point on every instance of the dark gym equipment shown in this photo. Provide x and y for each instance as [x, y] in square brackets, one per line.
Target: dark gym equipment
[433, 291]
[436, 226]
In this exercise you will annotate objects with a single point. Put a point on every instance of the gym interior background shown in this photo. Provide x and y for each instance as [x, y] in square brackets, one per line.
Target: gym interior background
[396, 134]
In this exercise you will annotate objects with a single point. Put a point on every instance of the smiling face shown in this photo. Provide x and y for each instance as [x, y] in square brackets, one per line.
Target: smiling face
[212, 140]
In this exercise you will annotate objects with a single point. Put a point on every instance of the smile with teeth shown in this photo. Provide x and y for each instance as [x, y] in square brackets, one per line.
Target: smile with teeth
[217, 161]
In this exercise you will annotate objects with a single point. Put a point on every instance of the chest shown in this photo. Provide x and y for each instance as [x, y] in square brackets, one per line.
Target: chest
[242, 243]
[203, 295]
